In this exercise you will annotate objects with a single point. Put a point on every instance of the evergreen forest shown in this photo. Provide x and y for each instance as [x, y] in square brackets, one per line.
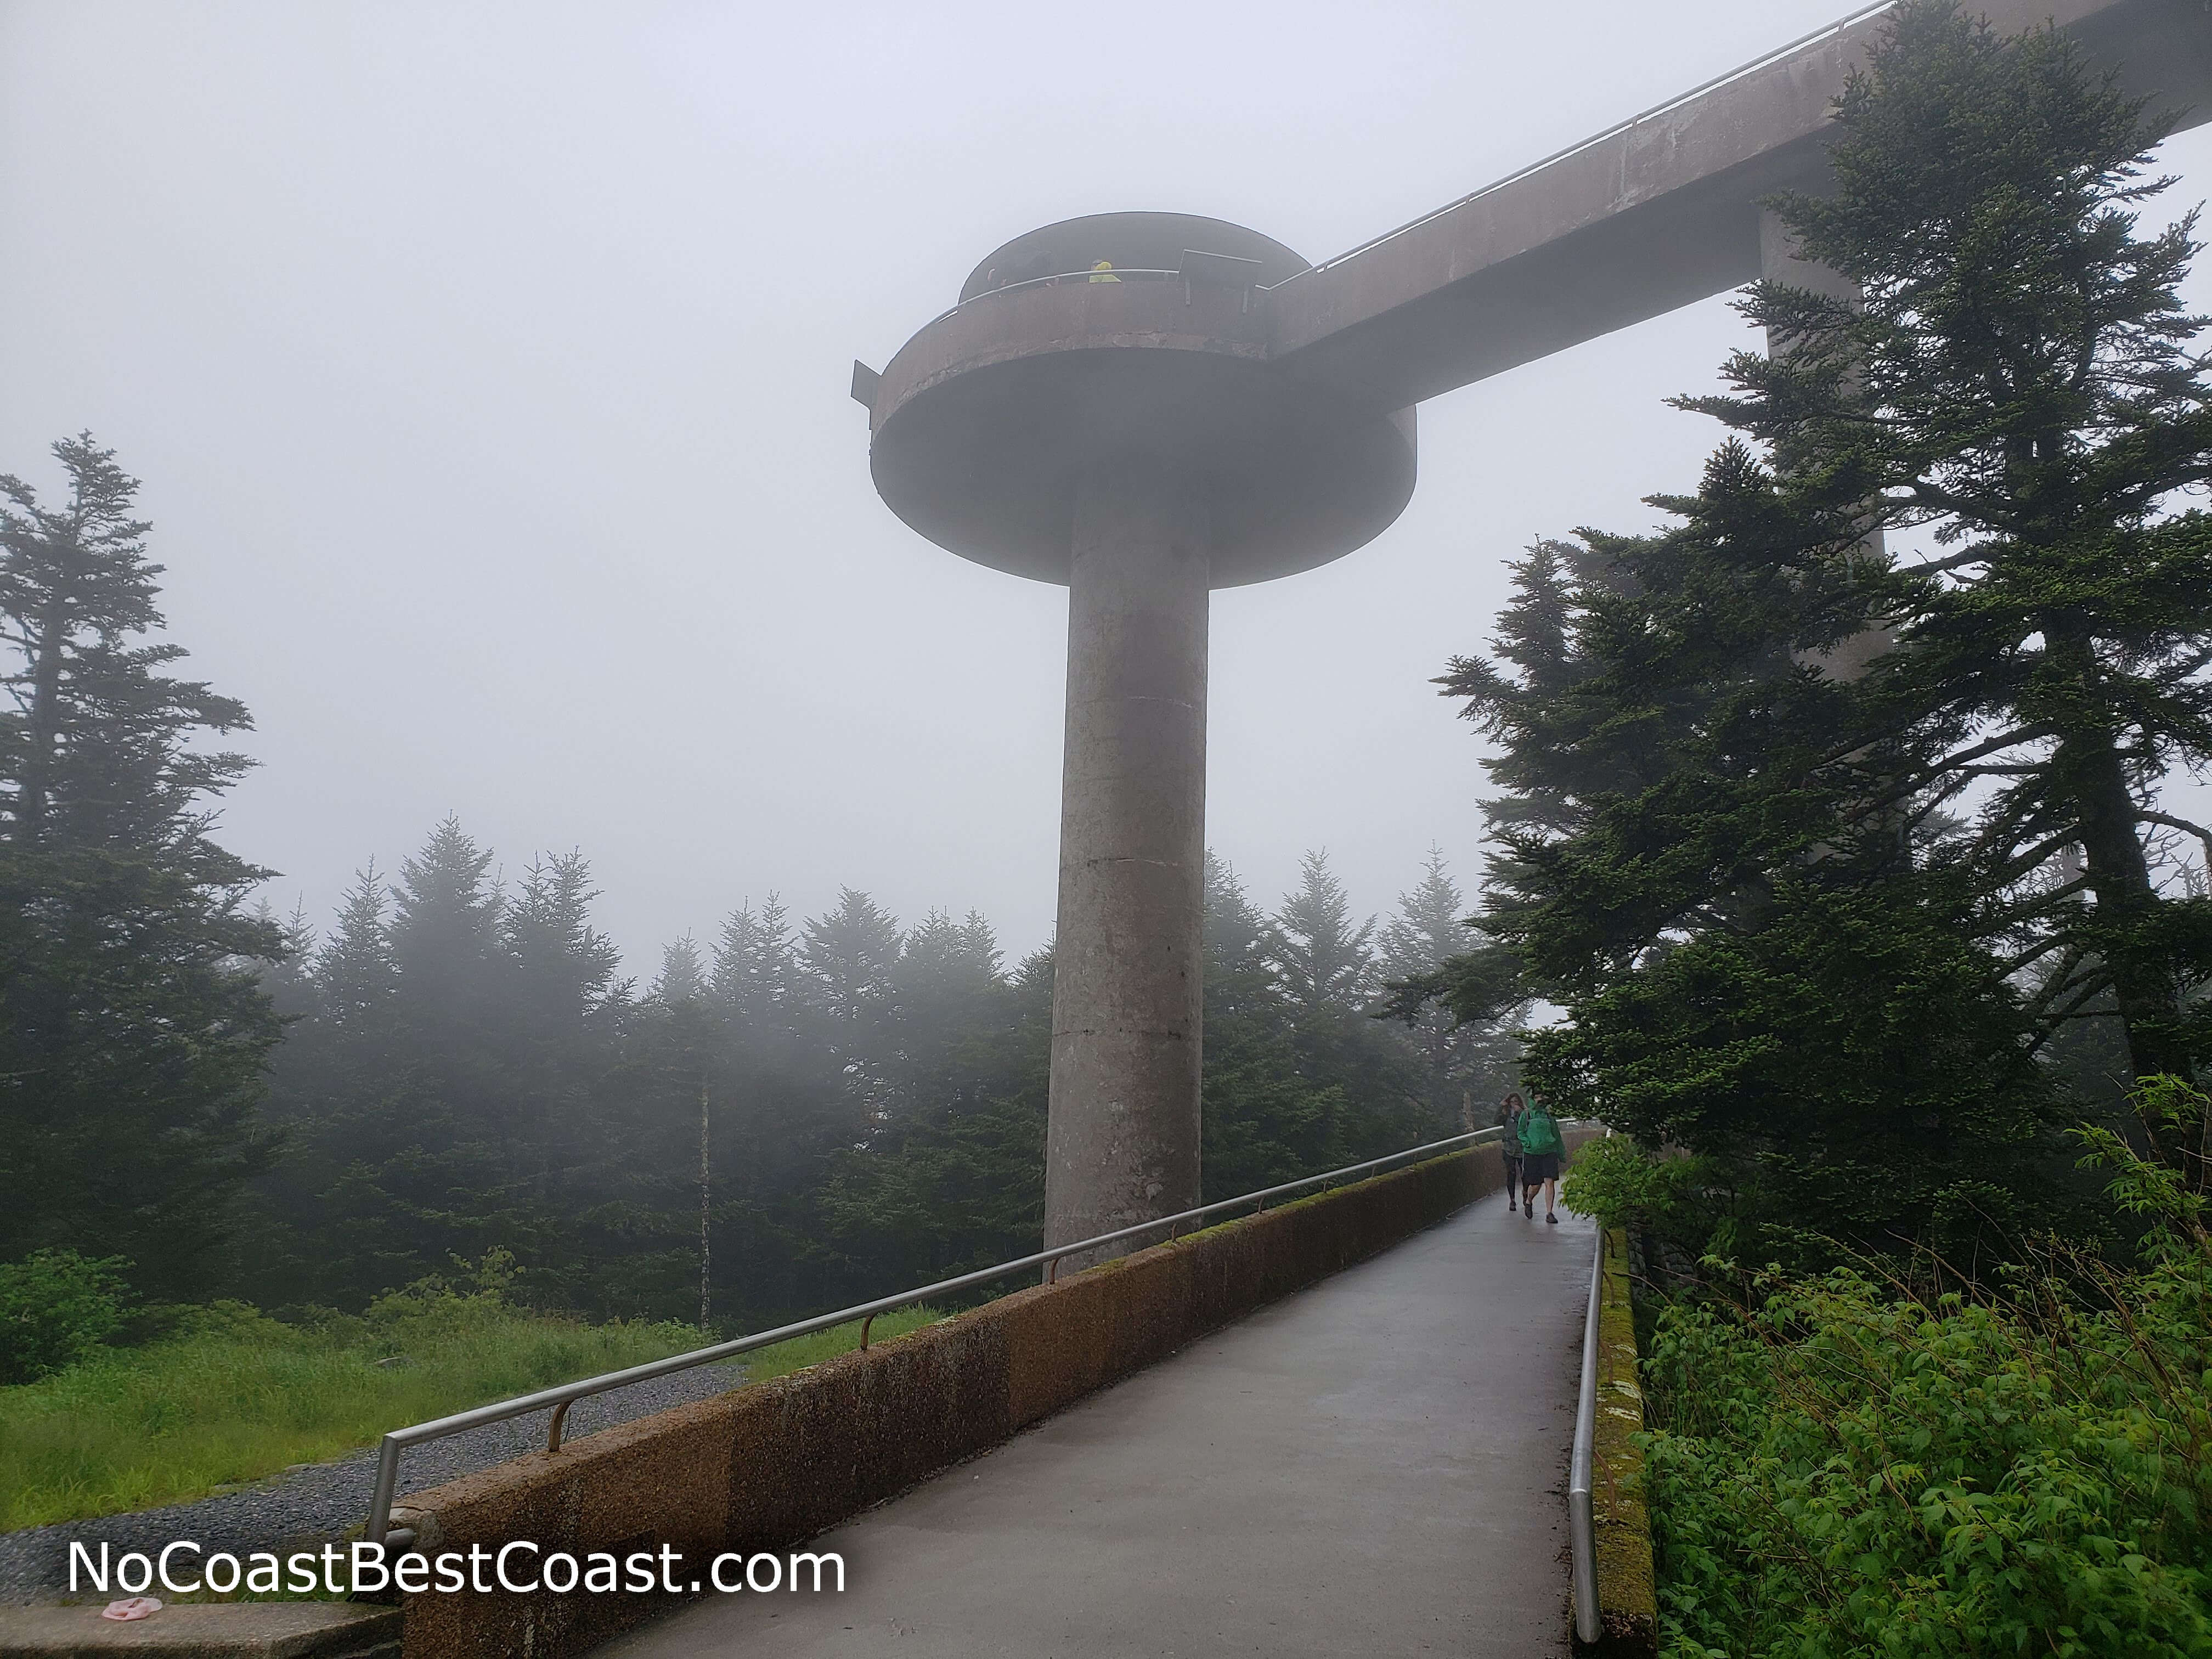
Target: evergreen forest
[202, 1101]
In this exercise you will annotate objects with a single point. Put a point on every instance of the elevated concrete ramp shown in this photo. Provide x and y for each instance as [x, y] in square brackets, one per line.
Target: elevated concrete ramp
[1654, 214]
[1376, 1465]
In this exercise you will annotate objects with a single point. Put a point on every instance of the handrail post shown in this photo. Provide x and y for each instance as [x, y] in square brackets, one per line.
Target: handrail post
[1581, 1523]
[387, 1483]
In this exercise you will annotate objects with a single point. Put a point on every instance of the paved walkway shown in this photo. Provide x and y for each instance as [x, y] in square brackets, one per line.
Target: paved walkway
[1374, 1466]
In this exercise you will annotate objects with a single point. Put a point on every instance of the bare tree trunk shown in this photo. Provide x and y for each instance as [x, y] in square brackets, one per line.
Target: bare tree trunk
[2088, 773]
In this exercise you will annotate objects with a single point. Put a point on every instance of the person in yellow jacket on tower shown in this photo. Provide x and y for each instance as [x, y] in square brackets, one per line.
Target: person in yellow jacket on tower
[1104, 272]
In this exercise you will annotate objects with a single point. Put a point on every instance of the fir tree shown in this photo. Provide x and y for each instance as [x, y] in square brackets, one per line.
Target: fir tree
[1471, 1063]
[1430, 928]
[1236, 927]
[850, 954]
[135, 1029]
[1296, 1080]
[875, 1114]
[756, 964]
[683, 977]
[958, 1181]
[1556, 751]
[1320, 957]
[1747, 973]
[944, 957]
[290, 979]
[354, 973]
[445, 930]
[566, 966]
[2021, 382]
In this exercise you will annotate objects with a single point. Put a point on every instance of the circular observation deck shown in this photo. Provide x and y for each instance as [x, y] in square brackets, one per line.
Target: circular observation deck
[986, 421]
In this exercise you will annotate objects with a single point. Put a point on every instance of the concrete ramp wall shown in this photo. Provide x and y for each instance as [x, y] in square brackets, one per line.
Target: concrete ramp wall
[767, 1466]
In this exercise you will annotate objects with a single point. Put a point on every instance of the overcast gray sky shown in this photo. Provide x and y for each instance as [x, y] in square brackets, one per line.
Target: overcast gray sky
[486, 368]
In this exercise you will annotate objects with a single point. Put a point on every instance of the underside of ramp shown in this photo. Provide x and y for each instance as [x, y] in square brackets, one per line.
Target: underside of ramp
[1376, 1465]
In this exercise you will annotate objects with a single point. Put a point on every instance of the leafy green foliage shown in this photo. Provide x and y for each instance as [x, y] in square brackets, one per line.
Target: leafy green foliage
[56, 1308]
[1838, 1468]
[1616, 1181]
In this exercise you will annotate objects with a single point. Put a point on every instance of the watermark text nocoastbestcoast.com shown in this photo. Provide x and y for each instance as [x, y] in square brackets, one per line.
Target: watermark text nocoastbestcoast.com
[520, 1567]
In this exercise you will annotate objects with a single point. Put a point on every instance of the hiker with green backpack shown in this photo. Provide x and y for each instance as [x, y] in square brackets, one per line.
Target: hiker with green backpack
[1541, 1152]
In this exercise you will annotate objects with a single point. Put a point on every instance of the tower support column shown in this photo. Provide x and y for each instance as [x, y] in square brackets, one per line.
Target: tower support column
[1122, 1143]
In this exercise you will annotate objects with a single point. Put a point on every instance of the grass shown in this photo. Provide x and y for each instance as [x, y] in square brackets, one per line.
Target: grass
[801, 1352]
[236, 1396]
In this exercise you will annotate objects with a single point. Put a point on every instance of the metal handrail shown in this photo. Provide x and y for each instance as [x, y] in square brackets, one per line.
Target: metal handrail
[1581, 1523]
[1753, 67]
[560, 1398]
[1142, 273]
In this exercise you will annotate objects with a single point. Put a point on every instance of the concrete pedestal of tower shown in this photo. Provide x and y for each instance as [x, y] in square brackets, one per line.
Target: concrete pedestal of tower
[1128, 969]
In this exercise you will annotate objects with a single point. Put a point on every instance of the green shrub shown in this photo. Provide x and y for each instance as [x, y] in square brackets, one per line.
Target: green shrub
[1843, 1468]
[56, 1308]
[1624, 1186]
[444, 1307]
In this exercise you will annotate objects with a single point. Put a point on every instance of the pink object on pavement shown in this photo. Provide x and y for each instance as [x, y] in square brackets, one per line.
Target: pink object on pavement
[135, 1607]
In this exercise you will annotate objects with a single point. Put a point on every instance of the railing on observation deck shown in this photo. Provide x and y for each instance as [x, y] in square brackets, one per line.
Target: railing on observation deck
[1071, 277]
[559, 1399]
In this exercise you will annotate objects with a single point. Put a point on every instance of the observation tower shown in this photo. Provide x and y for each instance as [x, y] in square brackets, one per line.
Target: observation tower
[1100, 411]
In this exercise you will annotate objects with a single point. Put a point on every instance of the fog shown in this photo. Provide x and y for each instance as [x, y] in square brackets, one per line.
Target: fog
[486, 368]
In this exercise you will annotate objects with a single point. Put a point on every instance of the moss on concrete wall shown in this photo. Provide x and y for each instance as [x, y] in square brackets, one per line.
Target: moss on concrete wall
[769, 1465]
[1626, 1594]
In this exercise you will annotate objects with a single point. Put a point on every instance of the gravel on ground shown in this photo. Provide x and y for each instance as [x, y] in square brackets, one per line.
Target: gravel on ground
[318, 1503]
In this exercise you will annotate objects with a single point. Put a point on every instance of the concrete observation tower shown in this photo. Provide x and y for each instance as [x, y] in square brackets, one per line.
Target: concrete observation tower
[1122, 432]
[1212, 410]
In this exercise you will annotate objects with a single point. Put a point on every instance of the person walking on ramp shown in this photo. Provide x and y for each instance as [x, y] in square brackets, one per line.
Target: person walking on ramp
[1509, 1147]
[1540, 1147]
